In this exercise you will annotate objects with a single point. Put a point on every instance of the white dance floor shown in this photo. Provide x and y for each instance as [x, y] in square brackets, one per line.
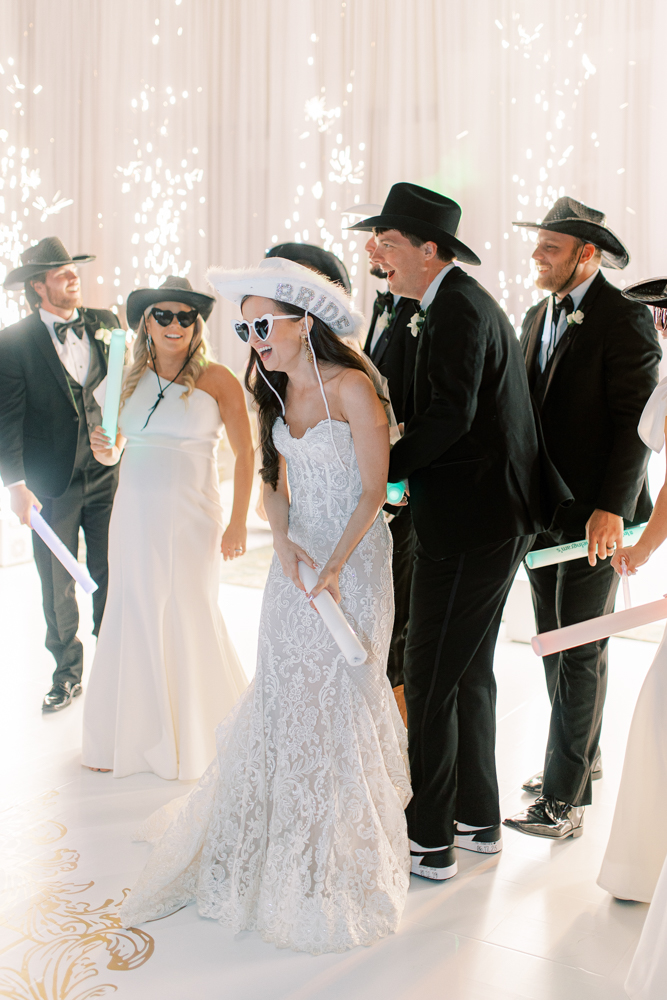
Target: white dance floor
[528, 923]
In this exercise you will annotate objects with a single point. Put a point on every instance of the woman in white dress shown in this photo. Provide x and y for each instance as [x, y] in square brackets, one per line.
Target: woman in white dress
[634, 865]
[165, 672]
[297, 829]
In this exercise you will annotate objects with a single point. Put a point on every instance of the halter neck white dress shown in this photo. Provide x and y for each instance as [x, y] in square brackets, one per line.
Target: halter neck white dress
[165, 672]
[297, 829]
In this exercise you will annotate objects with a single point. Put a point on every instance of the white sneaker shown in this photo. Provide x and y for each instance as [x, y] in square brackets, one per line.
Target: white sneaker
[437, 865]
[488, 840]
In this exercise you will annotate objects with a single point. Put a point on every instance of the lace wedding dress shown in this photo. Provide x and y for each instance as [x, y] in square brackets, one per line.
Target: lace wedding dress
[297, 828]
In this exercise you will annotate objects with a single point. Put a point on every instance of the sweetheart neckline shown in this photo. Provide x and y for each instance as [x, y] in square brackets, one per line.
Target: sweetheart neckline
[325, 420]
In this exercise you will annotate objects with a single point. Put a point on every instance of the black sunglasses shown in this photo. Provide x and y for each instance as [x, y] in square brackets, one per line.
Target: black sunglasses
[165, 317]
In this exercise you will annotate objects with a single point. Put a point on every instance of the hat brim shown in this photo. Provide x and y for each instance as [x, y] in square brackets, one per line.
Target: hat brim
[425, 231]
[652, 292]
[139, 300]
[16, 279]
[614, 254]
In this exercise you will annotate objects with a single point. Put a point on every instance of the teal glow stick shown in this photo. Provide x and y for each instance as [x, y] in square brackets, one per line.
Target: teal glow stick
[573, 550]
[114, 384]
[395, 492]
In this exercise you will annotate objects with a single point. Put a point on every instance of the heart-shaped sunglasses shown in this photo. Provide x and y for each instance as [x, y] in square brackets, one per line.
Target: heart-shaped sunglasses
[262, 327]
[165, 317]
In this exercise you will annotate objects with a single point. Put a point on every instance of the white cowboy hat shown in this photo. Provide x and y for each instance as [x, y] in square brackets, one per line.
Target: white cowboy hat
[292, 283]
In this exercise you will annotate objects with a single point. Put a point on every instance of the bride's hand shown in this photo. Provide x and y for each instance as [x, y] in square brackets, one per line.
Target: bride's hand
[633, 556]
[234, 541]
[328, 580]
[290, 554]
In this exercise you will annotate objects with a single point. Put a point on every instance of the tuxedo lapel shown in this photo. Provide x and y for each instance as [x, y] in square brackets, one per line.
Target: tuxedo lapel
[534, 339]
[43, 340]
[568, 338]
[385, 336]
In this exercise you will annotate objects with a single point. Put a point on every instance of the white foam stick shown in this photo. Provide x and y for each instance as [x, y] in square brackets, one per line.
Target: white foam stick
[574, 550]
[627, 600]
[334, 619]
[598, 628]
[61, 552]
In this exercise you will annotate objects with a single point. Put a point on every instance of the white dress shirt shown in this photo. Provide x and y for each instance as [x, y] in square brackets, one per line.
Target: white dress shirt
[576, 295]
[429, 294]
[74, 353]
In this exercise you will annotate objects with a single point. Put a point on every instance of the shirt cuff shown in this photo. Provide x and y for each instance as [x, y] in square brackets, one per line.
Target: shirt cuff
[19, 482]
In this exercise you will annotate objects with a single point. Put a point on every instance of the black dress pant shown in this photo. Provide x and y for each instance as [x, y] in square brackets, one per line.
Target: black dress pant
[450, 688]
[85, 504]
[402, 564]
[564, 594]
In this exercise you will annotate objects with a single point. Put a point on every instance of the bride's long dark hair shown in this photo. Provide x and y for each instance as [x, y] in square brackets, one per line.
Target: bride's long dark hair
[328, 348]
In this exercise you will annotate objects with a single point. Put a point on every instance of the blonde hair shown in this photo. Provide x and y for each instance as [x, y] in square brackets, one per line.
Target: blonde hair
[199, 361]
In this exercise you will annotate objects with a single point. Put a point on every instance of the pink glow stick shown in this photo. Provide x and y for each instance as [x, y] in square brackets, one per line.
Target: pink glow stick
[598, 628]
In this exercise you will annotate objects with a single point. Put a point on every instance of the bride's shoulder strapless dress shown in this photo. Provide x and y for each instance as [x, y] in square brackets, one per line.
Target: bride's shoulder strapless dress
[165, 671]
[297, 829]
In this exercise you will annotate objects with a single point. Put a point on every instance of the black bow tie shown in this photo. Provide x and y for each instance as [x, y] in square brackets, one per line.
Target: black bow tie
[75, 325]
[565, 304]
[384, 301]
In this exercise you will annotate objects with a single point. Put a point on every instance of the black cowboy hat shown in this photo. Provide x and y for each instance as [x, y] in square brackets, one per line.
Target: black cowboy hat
[423, 213]
[651, 291]
[173, 289]
[43, 256]
[316, 258]
[572, 218]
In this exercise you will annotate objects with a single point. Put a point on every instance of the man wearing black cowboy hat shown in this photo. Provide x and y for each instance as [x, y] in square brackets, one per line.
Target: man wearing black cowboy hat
[51, 362]
[592, 360]
[470, 452]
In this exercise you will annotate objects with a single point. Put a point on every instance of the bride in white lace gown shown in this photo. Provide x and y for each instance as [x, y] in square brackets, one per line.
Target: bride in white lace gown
[297, 828]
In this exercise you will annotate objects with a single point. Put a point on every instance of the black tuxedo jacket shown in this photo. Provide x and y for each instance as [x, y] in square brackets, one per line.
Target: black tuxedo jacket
[602, 374]
[39, 420]
[471, 451]
[394, 355]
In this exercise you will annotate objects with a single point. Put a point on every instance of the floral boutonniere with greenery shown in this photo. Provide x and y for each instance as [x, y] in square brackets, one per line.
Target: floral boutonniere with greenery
[575, 318]
[104, 335]
[417, 321]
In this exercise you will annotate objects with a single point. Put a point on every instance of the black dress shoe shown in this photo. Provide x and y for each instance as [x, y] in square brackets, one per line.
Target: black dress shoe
[60, 696]
[534, 784]
[488, 840]
[549, 817]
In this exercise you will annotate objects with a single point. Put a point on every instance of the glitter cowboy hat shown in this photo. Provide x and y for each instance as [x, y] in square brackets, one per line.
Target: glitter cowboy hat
[173, 289]
[292, 283]
[572, 218]
[316, 258]
[426, 214]
[651, 291]
[43, 256]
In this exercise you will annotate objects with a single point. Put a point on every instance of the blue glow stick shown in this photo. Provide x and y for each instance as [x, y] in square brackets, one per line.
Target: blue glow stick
[114, 384]
[61, 552]
[573, 550]
[395, 492]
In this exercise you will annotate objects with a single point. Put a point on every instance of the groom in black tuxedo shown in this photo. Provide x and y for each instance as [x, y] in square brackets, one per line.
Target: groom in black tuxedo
[470, 452]
[592, 360]
[51, 362]
[392, 348]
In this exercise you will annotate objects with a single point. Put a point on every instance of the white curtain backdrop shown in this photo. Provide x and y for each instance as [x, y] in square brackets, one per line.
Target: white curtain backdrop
[168, 135]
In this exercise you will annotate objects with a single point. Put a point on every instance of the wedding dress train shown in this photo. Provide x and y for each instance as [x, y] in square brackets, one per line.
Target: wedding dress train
[297, 828]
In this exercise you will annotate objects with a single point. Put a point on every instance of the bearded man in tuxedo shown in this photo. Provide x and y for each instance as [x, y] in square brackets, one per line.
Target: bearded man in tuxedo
[392, 347]
[51, 362]
[592, 361]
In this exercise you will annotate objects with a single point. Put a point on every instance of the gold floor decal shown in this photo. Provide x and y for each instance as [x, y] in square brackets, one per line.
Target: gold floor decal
[57, 942]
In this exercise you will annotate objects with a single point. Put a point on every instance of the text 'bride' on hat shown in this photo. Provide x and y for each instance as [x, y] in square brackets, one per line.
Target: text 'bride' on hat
[573, 218]
[423, 213]
[286, 281]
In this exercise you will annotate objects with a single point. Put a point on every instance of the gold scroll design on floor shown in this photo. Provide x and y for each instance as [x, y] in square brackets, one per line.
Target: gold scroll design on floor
[60, 940]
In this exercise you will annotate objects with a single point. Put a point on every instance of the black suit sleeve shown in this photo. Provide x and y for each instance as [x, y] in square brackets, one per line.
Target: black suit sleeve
[631, 359]
[456, 344]
[12, 413]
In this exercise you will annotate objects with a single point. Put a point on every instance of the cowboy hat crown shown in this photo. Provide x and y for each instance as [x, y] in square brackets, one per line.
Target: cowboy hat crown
[49, 253]
[173, 289]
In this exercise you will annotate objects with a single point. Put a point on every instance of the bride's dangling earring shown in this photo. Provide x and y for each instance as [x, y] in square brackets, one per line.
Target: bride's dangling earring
[306, 344]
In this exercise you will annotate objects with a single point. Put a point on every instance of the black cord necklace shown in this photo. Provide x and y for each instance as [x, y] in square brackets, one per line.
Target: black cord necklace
[160, 395]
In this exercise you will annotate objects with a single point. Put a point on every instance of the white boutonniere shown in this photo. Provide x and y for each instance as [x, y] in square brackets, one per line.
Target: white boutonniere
[104, 335]
[416, 322]
[383, 321]
[575, 317]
